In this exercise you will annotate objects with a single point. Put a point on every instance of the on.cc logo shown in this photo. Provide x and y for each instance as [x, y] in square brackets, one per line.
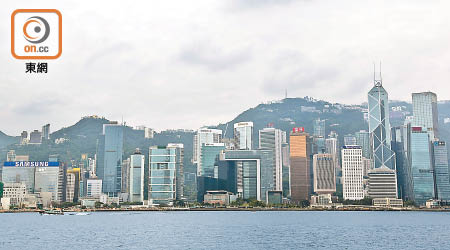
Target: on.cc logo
[36, 29]
[36, 34]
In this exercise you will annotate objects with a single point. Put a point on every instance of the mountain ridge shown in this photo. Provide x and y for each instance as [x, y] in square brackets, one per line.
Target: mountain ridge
[283, 114]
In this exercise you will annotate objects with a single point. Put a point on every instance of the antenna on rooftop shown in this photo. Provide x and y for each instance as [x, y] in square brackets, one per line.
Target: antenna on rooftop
[377, 82]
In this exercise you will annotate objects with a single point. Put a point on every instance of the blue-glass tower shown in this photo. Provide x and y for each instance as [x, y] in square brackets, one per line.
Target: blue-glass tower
[109, 161]
[441, 171]
[379, 127]
[421, 166]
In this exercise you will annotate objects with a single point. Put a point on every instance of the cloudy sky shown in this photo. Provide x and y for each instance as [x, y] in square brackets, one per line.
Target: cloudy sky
[184, 64]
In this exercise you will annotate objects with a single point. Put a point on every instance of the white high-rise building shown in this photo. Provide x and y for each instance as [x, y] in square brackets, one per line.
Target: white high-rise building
[136, 185]
[243, 134]
[352, 173]
[272, 139]
[425, 113]
[94, 188]
[204, 136]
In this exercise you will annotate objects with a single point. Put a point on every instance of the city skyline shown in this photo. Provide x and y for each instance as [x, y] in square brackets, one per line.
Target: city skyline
[262, 47]
[229, 124]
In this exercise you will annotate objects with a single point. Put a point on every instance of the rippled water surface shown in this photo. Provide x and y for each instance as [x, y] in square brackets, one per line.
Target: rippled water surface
[227, 230]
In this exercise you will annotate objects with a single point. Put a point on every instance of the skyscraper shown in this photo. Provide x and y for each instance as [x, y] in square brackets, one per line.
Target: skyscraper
[243, 134]
[126, 167]
[319, 128]
[25, 175]
[208, 157]
[382, 183]
[300, 150]
[441, 171]
[379, 127]
[272, 139]
[24, 137]
[401, 144]
[46, 180]
[421, 166]
[109, 162]
[362, 139]
[324, 174]
[165, 167]
[286, 169]
[425, 113]
[349, 140]
[331, 147]
[46, 132]
[352, 173]
[35, 137]
[136, 186]
[179, 164]
[94, 187]
[248, 173]
[204, 136]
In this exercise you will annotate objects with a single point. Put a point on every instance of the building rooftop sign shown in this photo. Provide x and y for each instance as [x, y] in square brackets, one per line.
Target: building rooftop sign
[31, 164]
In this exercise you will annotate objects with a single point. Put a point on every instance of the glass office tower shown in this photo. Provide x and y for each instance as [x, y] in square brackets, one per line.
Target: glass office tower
[165, 167]
[379, 127]
[109, 162]
[319, 128]
[248, 173]
[441, 171]
[13, 174]
[421, 166]
[204, 136]
[273, 139]
[208, 157]
[363, 139]
[425, 112]
[401, 144]
[46, 180]
[243, 135]
[136, 186]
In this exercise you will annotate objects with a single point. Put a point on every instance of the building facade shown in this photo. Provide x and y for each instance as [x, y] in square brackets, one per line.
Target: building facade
[165, 165]
[363, 140]
[382, 183]
[352, 173]
[379, 127]
[319, 128]
[248, 173]
[300, 169]
[425, 113]
[136, 186]
[209, 156]
[421, 166]
[204, 136]
[46, 180]
[441, 171]
[243, 135]
[109, 161]
[273, 139]
[324, 174]
[94, 187]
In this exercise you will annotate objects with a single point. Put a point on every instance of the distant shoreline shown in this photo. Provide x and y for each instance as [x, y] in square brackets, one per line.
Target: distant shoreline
[346, 209]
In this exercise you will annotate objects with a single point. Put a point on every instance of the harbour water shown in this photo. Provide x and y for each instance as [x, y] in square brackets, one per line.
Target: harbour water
[227, 230]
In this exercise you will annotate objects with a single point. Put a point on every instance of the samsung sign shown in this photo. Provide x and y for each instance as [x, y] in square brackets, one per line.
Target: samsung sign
[31, 164]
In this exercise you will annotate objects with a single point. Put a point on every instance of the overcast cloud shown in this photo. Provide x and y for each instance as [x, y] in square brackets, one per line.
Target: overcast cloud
[184, 64]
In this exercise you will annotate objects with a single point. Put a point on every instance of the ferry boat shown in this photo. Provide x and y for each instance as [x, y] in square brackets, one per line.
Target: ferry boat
[52, 212]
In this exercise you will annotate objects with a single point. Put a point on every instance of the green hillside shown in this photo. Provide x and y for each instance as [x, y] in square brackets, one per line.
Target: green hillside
[284, 114]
